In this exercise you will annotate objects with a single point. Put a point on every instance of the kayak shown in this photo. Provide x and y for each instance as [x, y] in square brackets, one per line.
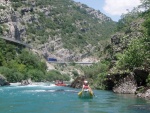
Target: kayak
[85, 94]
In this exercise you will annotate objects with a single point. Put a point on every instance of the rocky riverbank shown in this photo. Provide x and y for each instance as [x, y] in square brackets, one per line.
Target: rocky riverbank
[124, 83]
[129, 83]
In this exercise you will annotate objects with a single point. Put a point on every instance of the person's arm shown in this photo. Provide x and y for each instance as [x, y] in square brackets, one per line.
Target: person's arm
[82, 87]
[90, 89]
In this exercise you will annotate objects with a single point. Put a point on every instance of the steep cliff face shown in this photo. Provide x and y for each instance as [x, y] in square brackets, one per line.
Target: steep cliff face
[64, 29]
[129, 74]
[10, 22]
[121, 40]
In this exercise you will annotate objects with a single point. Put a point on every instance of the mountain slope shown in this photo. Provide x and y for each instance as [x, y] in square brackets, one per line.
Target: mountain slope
[62, 29]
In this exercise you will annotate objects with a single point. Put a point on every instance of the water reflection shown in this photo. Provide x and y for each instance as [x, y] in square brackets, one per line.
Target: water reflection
[86, 107]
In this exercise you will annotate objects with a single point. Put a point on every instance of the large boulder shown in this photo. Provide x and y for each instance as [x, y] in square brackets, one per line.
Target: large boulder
[121, 83]
[26, 82]
[3, 81]
[78, 82]
[126, 85]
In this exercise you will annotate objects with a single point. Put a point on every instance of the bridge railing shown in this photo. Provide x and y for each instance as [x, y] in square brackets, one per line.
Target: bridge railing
[16, 41]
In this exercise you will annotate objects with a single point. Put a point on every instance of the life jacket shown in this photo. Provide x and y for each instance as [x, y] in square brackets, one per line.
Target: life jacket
[85, 86]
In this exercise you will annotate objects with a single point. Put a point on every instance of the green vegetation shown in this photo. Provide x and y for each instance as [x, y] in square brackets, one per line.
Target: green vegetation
[56, 75]
[75, 73]
[97, 73]
[64, 18]
[136, 53]
[2, 7]
[17, 65]
[77, 28]
[16, 4]
[55, 19]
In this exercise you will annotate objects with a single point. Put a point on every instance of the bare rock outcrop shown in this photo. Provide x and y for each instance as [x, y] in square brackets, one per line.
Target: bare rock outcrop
[144, 94]
[78, 82]
[121, 83]
[127, 83]
[3, 81]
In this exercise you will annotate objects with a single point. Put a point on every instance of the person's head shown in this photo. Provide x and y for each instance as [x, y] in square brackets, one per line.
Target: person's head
[85, 82]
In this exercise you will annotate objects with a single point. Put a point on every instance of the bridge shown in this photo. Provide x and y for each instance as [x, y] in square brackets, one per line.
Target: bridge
[16, 41]
[60, 62]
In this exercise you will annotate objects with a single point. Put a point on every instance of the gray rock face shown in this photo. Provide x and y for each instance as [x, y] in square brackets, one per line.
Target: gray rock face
[96, 13]
[126, 85]
[121, 83]
[78, 82]
[115, 39]
[3, 81]
[145, 94]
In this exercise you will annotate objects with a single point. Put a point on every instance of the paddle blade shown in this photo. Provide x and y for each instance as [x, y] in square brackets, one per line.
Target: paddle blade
[80, 93]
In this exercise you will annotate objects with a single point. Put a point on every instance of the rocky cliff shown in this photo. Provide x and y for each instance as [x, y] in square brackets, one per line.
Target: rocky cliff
[132, 77]
[50, 30]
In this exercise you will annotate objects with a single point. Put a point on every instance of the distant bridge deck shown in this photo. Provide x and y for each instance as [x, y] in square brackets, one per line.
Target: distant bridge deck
[59, 62]
[16, 41]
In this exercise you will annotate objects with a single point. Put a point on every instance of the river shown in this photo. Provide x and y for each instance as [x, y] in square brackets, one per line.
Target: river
[48, 98]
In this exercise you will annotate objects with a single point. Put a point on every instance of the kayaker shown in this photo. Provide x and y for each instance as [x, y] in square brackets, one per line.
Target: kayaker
[86, 86]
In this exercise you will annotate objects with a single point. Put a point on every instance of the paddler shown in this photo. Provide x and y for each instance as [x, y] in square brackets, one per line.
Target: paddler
[86, 86]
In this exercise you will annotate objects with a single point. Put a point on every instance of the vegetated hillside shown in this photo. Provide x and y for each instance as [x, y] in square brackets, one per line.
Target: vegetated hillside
[58, 28]
[55, 28]
[126, 65]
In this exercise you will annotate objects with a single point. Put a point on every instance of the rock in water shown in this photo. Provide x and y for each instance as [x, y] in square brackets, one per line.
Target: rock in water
[78, 82]
[26, 82]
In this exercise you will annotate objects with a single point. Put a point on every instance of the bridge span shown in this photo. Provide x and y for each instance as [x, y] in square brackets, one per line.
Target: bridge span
[60, 62]
[16, 41]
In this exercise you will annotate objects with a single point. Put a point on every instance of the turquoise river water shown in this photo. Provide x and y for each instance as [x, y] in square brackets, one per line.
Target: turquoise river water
[48, 98]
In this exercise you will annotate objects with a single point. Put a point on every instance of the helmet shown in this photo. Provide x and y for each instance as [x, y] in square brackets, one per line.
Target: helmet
[85, 82]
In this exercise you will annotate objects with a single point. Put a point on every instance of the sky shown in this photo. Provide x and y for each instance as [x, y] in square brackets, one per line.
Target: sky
[111, 8]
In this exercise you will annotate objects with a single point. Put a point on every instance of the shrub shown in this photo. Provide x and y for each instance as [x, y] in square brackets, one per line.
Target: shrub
[2, 7]
[35, 75]
[75, 73]
[10, 74]
[56, 75]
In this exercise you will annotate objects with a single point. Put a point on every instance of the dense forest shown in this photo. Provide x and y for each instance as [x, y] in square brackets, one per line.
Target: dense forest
[18, 64]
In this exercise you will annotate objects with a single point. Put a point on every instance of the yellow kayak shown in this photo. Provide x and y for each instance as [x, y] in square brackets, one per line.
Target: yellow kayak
[85, 94]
